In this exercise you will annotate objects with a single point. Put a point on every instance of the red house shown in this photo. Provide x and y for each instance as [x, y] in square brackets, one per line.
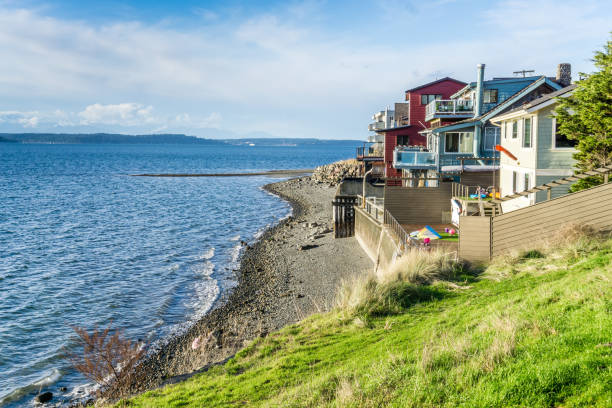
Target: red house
[409, 122]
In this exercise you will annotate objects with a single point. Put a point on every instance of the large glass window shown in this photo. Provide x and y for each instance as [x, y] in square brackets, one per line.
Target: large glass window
[490, 96]
[561, 140]
[491, 137]
[425, 98]
[527, 132]
[526, 182]
[459, 142]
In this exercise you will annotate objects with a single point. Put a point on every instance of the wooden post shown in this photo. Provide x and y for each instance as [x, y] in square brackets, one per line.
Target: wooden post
[606, 178]
[548, 193]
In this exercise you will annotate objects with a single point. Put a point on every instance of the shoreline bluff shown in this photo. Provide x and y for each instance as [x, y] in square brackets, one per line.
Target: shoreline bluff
[293, 270]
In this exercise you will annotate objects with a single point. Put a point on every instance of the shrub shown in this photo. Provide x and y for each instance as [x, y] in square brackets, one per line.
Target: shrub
[107, 358]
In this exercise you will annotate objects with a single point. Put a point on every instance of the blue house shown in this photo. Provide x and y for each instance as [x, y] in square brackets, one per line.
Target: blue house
[461, 127]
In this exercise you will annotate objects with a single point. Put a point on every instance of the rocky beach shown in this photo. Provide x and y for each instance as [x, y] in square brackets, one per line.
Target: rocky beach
[292, 271]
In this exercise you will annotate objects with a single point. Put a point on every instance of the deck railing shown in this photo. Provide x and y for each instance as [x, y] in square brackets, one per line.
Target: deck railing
[368, 151]
[449, 107]
[373, 206]
[406, 241]
[414, 158]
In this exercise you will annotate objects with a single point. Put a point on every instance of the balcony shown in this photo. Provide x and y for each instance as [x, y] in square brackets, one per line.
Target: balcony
[376, 138]
[376, 126]
[449, 109]
[369, 153]
[414, 159]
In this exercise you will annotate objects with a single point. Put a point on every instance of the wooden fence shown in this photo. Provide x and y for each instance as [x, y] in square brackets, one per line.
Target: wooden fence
[484, 237]
[344, 216]
[419, 205]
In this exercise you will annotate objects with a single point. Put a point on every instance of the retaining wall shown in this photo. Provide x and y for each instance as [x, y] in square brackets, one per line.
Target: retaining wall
[376, 240]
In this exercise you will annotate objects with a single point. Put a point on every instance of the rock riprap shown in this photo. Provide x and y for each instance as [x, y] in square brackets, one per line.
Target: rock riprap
[333, 173]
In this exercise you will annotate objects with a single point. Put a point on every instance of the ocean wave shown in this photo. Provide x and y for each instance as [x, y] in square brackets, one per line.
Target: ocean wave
[209, 254]
[50, 378]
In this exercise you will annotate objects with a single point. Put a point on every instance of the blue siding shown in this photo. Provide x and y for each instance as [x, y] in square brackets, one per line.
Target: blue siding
[505, 89]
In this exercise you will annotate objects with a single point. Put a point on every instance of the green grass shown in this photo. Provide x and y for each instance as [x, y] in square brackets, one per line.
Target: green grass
[533, 330]
[448, 237]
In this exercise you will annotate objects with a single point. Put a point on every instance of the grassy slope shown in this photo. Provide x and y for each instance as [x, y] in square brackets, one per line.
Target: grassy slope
[535, 335]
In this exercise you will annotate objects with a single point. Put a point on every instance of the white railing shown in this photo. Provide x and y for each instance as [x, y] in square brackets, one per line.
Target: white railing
[449, 107]
[374, 206]
[376, 126]
[376, 138]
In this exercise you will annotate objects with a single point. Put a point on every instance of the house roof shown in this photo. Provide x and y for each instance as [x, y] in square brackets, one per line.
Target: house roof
[495, 81]
[543, 99]
[393, 128]
[435, 82]
[497, 109]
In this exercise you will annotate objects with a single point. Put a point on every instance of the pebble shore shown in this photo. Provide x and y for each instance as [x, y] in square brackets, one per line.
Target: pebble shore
[292, 271]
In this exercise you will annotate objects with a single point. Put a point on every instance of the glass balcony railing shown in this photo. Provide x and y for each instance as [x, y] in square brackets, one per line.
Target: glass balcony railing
[415, 159]
[449, 108]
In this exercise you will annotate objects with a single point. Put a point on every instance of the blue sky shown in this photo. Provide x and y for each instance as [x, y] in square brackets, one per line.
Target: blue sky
[286, 69]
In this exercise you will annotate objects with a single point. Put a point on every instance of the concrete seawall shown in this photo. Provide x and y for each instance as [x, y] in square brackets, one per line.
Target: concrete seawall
[376, 240]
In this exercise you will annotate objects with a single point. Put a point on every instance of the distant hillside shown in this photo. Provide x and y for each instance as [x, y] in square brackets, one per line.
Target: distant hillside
[3, 140]
[78, 138]
[69, 138]
[273, 141]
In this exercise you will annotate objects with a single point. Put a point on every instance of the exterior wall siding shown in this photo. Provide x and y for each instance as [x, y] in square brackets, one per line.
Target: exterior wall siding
[549, 158]
[416, 113]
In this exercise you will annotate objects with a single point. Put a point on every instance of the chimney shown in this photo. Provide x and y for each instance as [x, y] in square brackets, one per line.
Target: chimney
[564, 74]
[479, 90]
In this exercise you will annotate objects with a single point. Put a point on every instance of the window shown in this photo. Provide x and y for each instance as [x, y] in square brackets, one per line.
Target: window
[560, 140]
[526, 182]
[514, 181]
[425, 99]
[527, 132]
[514, 129]
[491, 137]
[460, 142]
[490, 96]
[403, 140]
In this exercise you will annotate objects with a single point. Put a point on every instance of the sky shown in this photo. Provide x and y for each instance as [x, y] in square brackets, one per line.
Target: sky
[287, 68]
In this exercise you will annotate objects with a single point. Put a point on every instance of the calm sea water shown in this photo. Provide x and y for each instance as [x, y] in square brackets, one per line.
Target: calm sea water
[83, 243]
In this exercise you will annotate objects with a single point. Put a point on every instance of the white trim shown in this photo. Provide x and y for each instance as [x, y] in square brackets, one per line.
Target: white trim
[554, 172]
[508, 116]
[514, 167]
[444, 143]
[530, 147]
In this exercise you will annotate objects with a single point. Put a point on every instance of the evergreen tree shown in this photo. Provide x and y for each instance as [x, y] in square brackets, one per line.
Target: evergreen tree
[586, 116]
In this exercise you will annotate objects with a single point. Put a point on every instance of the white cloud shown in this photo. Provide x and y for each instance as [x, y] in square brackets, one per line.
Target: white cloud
[126, 114]
[24, 119]
[274, 72]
